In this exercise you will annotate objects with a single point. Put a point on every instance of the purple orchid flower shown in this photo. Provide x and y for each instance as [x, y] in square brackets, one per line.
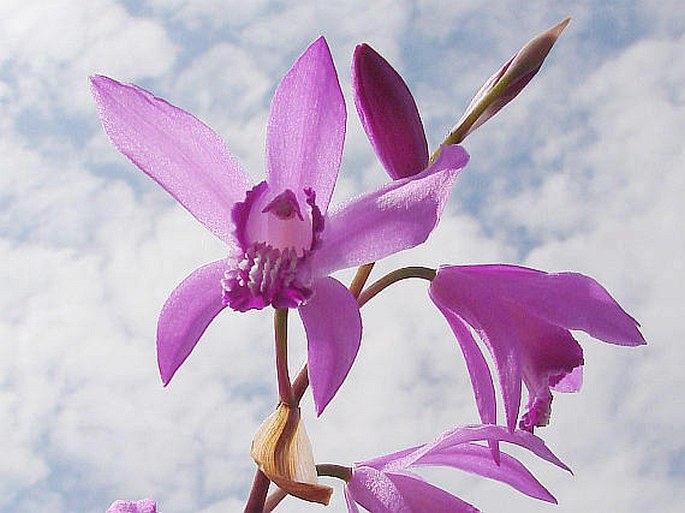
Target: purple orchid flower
[142, 506]
[283, 241]
[388, 485]
[524, 316]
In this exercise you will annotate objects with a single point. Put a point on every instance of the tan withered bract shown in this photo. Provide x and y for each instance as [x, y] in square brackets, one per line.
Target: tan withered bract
[283, 452]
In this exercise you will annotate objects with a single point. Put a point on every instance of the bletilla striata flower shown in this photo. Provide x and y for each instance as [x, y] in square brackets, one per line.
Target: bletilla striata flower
[524, 317]
[283, 240]
[387, 484]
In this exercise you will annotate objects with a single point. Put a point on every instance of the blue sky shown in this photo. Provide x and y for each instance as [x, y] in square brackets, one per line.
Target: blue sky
[583, 172]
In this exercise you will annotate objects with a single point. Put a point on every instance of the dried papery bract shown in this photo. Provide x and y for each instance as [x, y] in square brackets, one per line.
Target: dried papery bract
[506, 83]
[283, 452]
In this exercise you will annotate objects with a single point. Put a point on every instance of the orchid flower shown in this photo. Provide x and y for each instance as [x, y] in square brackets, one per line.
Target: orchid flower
[142, 506]
[283, 241]
[387, 484]
[524, 316]
[391, 119]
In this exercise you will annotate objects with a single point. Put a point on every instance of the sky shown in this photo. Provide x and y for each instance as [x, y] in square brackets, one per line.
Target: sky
[583, 172]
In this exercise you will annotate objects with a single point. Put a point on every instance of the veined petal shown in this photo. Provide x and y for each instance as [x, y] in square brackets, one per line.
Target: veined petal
[396, 216]
[388, 114]
[179, 152]
[185, 316]
[333, 325]
[455, 292]
[570, 300]
[306, 129]
[477, 459]
[423, 497]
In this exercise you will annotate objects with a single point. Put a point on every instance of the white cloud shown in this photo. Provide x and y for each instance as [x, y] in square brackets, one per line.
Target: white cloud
[585, 166]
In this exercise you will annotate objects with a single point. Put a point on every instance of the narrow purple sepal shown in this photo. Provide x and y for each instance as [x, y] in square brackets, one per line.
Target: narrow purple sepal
[177, 150]
[388, 114]
[306, 129]
[394, 217]
[479, 372]
[475, 304]
[333, 326]
[185, 316]
[142, 506]
[523, 439]
[478, 460]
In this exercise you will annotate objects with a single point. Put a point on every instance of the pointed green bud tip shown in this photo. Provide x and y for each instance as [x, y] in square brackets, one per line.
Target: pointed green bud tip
[505, 84]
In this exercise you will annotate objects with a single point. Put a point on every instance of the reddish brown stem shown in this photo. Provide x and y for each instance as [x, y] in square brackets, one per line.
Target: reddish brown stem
[260, 487]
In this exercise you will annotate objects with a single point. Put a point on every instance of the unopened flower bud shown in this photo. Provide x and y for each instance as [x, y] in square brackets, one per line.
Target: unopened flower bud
[506, 83]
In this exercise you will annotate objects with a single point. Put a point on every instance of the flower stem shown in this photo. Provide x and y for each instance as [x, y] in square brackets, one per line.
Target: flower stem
[360, 278]
[274, 499]
[337, 471]
[285, 390]
[290, 394]
[260, 487]
[393, 277]
[458, 133]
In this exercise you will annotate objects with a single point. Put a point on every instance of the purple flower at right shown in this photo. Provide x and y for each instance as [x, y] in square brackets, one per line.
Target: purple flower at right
[524, 317]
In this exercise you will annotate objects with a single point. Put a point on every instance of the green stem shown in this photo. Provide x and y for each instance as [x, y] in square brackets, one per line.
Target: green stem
[424, 273]
[458, 134]
[360, 278]
[285, 390]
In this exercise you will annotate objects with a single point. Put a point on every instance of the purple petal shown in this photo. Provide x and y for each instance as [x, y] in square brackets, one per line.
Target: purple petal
[523, 439]
[571, 382]
[423, 497]
[178, 151]
[142, 506]
[388, 114]
[477, 459]
[388, 460]
[334, 328]
[349, 501]
[452, 291]
[479, 372]
[185, 316]
[306, 129]
[569, 300]
[375, 491]
[396, 216]
[549, 354]
[478, 369]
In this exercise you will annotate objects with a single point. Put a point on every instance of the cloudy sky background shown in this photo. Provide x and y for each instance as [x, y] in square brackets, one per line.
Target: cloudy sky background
[583, 172]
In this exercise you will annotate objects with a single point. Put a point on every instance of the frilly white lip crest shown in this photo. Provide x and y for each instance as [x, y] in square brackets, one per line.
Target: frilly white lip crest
[282, 450]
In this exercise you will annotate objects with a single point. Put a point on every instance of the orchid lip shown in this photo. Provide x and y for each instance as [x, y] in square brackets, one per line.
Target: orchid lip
[275, 237]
